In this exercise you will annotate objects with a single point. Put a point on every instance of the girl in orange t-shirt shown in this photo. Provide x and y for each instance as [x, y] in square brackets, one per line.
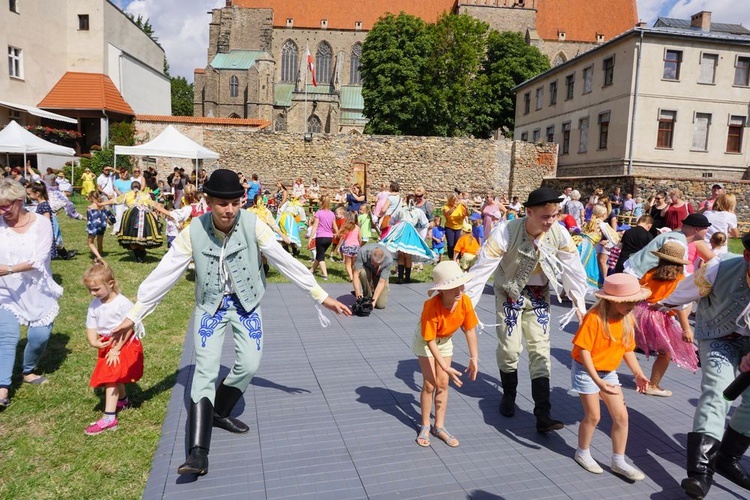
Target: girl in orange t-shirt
[442, 316]
[604, 339]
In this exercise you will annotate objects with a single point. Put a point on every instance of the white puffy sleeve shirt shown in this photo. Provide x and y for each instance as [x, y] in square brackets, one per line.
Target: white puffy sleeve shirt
[30, 295]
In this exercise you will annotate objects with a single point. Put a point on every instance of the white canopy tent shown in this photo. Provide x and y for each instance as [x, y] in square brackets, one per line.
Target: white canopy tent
[16, 139]
[170, 143]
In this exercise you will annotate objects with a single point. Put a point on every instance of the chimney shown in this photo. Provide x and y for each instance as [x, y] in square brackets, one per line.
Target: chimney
[641, 24]
[701, 20]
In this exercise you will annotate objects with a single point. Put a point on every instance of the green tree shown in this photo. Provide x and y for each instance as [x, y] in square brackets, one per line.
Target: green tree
[394, 66]
[182, 97]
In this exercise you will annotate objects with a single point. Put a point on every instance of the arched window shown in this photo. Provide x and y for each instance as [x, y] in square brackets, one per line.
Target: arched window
[279, 123]
[355, 77]
[234, 86]
[324, 63]
[234, 115]
[559, 59]
[314, 124]
[289, 62]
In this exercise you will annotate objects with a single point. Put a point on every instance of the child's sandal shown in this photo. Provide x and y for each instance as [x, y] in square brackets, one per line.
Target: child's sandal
[423, 439]
[445, 436]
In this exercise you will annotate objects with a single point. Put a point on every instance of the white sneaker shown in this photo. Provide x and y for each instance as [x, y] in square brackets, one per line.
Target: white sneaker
[589, 465]
[628, 472]
[655, 391]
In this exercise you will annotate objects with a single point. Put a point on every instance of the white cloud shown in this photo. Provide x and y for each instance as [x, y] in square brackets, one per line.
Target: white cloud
[181, 27]
[649, 10]
[722, 11]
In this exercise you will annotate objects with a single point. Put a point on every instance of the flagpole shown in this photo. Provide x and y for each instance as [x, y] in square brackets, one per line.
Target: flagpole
[307, 51]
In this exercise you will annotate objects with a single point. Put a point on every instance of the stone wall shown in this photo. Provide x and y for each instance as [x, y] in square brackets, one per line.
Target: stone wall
[531, 163]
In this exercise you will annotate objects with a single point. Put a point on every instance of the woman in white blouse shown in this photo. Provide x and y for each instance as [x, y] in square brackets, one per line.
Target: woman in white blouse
[28, 294]
[722, 219]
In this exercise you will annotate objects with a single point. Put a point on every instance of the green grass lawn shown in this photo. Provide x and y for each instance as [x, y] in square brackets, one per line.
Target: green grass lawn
[43, 450]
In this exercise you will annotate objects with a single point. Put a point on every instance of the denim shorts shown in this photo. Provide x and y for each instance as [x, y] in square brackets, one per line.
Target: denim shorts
[582, 382]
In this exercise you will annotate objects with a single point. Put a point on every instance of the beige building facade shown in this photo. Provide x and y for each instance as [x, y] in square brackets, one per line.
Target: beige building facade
[668, 100]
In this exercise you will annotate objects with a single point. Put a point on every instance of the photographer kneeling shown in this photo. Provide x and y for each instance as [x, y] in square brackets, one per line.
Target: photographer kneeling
[372, 268]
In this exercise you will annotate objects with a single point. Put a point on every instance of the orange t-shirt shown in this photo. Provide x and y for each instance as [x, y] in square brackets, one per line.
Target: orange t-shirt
[437, 321]
[606, 353]
[467, 244]
[659, 289]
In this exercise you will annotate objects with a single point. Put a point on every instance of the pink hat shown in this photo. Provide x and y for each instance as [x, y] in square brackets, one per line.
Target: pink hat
[622, 287]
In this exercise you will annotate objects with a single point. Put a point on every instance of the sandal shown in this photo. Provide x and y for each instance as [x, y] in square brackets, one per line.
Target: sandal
[423, 439]
[445, 436]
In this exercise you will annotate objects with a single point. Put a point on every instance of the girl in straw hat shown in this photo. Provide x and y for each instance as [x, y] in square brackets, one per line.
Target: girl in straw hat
[659, 330]
[605, 337]
[442, 316]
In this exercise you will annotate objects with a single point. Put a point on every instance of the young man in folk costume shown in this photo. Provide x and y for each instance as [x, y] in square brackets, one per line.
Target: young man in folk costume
[226, 245]
[526, 256]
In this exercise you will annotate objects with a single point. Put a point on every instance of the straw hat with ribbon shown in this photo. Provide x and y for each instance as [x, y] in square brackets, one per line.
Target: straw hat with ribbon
[448, 275]
[672, 251]
[622, 287]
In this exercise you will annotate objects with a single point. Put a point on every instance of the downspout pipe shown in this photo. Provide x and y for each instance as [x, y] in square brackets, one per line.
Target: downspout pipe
[635, 103]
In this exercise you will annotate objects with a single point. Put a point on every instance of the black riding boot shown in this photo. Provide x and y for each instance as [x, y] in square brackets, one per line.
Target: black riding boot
[508, 403]
[226, 397]
[200, 423]
[542, 406]
[733, 446]
[407, 272]
[400, 279]
[701, 457]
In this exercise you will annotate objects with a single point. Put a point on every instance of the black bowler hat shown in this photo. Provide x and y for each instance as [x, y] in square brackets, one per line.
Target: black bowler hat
[224, 184]
[696, 220]
[542, 196]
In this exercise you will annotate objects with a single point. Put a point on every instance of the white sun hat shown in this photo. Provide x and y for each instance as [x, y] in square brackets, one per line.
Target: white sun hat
[448, 275]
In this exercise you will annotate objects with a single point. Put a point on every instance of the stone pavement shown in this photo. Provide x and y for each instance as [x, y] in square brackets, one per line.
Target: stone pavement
[333, 414]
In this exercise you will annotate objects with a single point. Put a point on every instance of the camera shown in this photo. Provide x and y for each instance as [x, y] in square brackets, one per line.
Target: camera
[362, 307]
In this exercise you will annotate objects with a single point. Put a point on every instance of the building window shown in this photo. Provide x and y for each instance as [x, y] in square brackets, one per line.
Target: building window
[15, 62]
[289, 62]
[570, 85]
[609, 71]
[539, 98]
[324, 63]
[708, 68]
[603, 130]
[565, 138]
[583, 132]
[355, 77]
[279, 123]
[83, 22]
[526, 103]
[742, 71]
[536, 135]
[553, 93]
[672, 62]
[588, 76]
[551, 133]
[525, 136]
[665, 135]
[234, 86]
[701, 126]
[13, 6]
[734, 135]
[314, 124]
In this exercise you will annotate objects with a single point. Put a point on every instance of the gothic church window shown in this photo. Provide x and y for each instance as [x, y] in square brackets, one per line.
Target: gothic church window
[355, 77]
[279, 124]
[324, 63]
[289, 62]
[314, 124]
[234, 86]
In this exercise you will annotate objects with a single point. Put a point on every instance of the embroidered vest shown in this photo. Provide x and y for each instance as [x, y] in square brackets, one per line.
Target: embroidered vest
[241, 260]
[718, 311]
[521, 258]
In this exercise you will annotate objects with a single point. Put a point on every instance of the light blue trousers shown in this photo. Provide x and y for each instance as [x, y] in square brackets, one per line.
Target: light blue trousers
[208, 336]
[720, 360]
[10, 334]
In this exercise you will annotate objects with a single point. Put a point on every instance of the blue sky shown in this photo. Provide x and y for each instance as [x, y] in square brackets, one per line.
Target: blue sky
[182, 25]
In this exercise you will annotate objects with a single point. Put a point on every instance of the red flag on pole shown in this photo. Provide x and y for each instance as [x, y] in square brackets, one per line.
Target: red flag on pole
[311, 67]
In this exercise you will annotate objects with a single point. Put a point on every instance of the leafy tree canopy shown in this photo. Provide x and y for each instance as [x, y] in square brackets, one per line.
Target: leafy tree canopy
[182, 97]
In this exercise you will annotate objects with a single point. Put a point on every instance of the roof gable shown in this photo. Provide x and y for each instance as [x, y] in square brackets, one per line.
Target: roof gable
[582, 20]
[238, 59]
[86, 91]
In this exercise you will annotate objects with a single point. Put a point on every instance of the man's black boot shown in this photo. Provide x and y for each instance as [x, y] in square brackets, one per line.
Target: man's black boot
[226, 397]
[510, 384]
[701, 456]
[542, 406]
[733, 446]
[200, 423]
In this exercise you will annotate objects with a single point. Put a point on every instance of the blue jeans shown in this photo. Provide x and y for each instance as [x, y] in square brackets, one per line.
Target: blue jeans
[10, 333]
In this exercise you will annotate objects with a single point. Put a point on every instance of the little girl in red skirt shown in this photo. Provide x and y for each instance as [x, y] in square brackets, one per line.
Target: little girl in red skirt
[117, 363]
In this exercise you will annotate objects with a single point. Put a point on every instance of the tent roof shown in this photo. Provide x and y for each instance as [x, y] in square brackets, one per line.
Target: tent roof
[170, 143]
[16, 139]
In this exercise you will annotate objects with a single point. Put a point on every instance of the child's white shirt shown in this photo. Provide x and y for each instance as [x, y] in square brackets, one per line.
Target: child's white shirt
[106, 317]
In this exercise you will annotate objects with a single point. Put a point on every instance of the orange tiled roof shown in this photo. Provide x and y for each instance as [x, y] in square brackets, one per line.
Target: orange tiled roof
[199, 71]
[343, 14]
[204, 120]
[86, 91]
[581, 20]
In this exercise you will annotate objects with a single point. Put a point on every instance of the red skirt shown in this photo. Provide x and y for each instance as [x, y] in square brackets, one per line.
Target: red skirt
[129, 369]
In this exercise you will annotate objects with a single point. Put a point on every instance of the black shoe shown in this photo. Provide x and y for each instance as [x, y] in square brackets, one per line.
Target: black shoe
[200, 423]
[400, 279]
[542, 407]
[226, 397]
[701, 456]
[407, 273]
[509, 382]
[733, 446]
[196, 463]
[71, 254]
[231, 424]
